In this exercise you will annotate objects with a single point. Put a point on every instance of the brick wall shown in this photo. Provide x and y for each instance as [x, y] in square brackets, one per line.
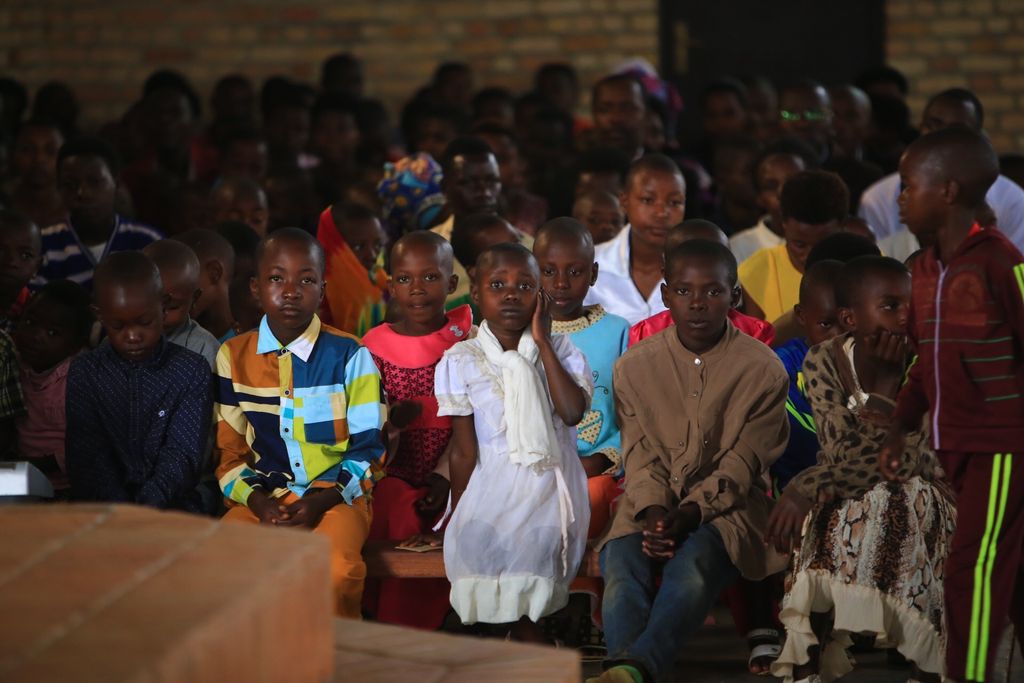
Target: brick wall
[979, 44]
[107, 49]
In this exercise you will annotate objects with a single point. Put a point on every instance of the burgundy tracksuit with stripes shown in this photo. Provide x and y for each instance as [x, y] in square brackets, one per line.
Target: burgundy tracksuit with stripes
[967, 323]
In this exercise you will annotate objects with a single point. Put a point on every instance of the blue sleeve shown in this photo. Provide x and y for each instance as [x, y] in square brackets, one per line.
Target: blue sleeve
[365, 414]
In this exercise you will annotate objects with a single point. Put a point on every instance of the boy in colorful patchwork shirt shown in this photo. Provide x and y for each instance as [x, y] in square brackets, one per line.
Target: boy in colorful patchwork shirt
[299, 415]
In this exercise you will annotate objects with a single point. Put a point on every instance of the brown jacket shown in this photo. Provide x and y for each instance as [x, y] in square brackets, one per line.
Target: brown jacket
[703, 429]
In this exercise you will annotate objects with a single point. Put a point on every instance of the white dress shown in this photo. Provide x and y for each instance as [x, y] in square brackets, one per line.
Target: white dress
[503, 548]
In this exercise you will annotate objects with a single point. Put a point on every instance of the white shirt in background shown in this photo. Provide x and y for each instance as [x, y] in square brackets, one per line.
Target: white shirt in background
[880, 208]
[615, 289]
[744, 243]
[899, 245]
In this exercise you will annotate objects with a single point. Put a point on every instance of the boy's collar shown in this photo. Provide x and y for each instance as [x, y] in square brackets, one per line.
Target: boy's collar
[976, 234]
[730, 333]
[301, 346]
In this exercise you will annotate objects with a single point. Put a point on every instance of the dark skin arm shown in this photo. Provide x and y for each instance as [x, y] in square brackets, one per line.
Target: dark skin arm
[886, 355]
[403, 413]
[570, 401]
[463, 456]
[596, 464]
[308, 510]
[665, 530]
[786, 520]
[266, 509]
[430, 505]
[750, 308]
[890, 458]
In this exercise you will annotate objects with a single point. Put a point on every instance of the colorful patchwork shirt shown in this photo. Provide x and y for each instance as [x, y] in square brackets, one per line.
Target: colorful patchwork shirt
[305, 415]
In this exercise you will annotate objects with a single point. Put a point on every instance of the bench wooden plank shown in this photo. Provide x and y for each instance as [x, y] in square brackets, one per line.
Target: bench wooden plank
[383, 560]
[378, 653]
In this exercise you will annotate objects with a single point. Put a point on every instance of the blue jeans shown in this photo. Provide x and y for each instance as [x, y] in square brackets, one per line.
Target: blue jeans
[649, 626]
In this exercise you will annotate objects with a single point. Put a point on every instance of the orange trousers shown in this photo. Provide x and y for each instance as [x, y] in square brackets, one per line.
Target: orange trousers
[603, 491]
[346, 527]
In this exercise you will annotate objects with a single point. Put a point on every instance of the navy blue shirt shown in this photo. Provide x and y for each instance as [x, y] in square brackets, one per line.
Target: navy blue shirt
[802, 450]
[137, 431]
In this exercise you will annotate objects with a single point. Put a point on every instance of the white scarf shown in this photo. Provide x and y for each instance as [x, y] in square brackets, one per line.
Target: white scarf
[529, 429]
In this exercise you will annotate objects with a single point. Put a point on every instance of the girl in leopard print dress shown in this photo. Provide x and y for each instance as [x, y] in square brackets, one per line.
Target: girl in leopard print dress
[871, 555]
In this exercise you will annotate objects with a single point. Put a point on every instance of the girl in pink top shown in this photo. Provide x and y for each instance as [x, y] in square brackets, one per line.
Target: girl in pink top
[53, 328]
[409, 499]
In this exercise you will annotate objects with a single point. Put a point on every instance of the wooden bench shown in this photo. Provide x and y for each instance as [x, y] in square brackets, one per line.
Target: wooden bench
[378, 653]
[384, 561]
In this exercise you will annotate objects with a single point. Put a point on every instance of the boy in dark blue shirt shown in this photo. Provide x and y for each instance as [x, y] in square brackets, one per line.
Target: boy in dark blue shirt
[817, 315]
[138, 407]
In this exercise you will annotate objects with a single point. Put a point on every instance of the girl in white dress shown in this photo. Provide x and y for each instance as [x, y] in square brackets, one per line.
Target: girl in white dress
[519, 508]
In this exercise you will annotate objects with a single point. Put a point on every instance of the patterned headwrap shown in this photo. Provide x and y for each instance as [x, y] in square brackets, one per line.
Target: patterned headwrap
[410, 194]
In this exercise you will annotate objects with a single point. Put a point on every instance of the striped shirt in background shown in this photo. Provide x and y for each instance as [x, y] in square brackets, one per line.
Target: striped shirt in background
[66, 257]
[307, 415]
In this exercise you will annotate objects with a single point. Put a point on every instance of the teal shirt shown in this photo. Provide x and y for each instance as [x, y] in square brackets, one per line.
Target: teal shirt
[602, 337]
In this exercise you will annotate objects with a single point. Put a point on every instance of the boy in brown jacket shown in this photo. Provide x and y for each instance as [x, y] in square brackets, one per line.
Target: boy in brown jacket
[703, 414]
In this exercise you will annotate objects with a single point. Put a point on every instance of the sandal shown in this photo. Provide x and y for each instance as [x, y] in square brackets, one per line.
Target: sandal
[765, 645]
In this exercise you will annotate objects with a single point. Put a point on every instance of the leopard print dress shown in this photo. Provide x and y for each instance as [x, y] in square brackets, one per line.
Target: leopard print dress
[873, 553]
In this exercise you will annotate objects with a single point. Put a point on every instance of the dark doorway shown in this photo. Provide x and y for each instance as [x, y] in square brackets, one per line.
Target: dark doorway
[779, 39]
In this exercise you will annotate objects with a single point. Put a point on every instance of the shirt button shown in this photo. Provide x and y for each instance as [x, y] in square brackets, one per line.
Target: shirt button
[695, 394]
[285, 430]
[680, 444]
[286, 392]
[298, 464]
[696, 361]
[675, 480]
[705, 442]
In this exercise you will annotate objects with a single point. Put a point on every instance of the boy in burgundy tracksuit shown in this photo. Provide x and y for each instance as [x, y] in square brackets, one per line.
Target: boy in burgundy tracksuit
[967, 322]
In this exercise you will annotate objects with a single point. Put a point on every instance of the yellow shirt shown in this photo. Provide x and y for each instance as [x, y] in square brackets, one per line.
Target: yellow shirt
[771, 281]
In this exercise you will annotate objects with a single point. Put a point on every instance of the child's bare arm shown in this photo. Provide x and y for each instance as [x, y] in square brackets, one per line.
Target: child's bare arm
[569, 400]
[751, 308]
[463, 455]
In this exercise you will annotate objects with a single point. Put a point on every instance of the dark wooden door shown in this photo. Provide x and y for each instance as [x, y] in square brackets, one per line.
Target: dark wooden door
[832, 41]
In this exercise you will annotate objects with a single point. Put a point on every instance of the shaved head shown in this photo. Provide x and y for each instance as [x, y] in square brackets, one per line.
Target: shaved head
[208, 246]
[957, 154]
[128, 269]
[566, 230]
[171, 256]
[695, 229]
[425, 241]
[293, 237]
[506, 251]
[823, 274]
